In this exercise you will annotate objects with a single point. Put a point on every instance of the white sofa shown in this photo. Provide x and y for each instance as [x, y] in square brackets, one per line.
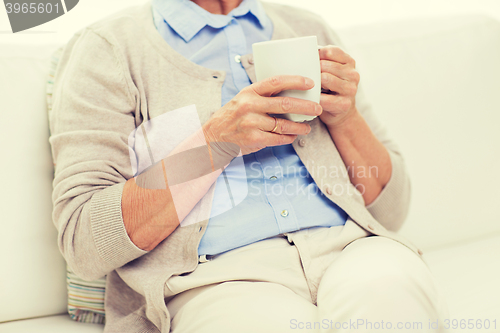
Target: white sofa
[434, 81]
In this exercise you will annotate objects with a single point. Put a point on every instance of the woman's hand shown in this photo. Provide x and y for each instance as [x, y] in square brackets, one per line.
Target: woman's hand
[244, 121]
[339, 83]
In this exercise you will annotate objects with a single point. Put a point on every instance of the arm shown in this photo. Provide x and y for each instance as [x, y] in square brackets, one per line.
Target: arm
[151, 215]
[367, 159]
[359, 148]
[373, 160]
[105, 217]
[156, 201]
[92, 116]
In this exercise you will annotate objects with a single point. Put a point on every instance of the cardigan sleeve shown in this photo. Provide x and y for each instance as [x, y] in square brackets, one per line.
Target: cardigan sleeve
[391, 206]
[93, 114]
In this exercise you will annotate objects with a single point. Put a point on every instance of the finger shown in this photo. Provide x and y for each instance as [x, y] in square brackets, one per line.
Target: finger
[284, 126]
[332, 67]
[334, 83]
[344, 72]
[276, 84]
[335, 53]
[336, 104]
[281, 105]
[273, 139]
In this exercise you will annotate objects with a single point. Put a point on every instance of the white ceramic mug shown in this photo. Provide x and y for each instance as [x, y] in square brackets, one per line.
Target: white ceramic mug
[293, 56]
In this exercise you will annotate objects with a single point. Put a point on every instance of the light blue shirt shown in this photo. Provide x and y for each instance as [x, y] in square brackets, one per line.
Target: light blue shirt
[266, 193]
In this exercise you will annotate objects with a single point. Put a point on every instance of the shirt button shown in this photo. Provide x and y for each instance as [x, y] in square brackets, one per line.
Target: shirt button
[273, 177]
[371, 227]
[302, 142]
[284, 213]
[237, 58]
[420, 252]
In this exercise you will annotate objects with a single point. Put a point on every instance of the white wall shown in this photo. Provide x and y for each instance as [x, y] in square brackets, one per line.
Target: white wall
[356, 12]
[340, 14]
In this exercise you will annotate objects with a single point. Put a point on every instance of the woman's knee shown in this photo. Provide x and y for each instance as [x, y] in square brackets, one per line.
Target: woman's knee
[375, 264]
[378, 271]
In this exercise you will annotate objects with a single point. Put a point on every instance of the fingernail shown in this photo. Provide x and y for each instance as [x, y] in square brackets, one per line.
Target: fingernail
[318, 109]
[309, 82]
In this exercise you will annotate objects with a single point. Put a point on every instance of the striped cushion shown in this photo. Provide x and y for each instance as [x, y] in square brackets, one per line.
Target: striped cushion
[85, 299]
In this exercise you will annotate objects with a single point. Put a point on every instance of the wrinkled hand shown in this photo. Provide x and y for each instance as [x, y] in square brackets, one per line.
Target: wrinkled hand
[339, 83]
[244, 121]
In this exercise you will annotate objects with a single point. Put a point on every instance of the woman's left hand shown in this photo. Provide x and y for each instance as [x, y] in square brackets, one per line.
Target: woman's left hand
[339, 83]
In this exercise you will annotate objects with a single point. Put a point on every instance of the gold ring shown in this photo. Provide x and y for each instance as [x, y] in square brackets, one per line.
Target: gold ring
[275, 125]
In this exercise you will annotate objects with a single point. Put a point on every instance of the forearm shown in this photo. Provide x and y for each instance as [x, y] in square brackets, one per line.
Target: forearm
[157, 201]
[366, 159]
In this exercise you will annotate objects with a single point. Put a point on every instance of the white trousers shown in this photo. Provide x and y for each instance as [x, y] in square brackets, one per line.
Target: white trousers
[338, 279]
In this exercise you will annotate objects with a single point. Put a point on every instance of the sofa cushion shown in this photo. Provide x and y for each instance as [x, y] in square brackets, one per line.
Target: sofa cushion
[52, 324]
[33, 270]
[86, 299]
[468, 274]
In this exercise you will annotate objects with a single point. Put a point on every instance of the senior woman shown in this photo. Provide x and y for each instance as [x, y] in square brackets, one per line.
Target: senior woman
[181, 252]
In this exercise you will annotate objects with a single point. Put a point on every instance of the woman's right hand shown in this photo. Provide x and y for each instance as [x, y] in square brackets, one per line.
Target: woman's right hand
[244, 121]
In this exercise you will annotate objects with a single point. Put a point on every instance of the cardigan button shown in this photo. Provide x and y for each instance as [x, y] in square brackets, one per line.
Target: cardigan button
[328, 189]
[302, 142]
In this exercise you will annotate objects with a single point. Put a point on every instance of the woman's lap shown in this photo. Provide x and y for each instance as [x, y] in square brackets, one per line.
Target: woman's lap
[371, 279]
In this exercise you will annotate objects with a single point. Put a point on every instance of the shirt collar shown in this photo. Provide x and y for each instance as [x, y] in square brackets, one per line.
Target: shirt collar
[187, 19]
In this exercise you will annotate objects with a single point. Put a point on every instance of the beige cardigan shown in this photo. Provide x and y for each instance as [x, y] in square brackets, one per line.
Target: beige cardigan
[119, 73]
